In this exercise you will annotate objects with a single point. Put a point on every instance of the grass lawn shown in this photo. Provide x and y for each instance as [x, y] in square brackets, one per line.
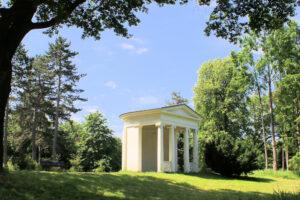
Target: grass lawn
[132, 185]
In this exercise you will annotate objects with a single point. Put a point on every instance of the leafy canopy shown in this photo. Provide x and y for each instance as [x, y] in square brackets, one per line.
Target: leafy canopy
[229, 18]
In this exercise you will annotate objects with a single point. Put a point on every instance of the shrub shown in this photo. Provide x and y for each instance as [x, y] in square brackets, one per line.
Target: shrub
[25, 163]
[75, 165]
[229, 156]
[295, 164]
[11, 166]
[104, 165]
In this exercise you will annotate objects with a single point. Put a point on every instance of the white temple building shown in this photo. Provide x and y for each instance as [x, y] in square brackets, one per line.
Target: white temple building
[150, 139]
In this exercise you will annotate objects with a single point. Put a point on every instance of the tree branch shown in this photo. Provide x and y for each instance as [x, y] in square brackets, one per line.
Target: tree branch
[57, 19]
[41, 25]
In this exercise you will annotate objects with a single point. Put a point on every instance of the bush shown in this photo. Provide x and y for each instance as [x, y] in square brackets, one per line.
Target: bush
[104, 165]
[229, 156]
[11, 166]
[75, 165]
[25, 163]
[295, 164]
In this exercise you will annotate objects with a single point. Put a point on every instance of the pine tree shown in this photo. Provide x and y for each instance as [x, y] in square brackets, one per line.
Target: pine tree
[34, 97]
[176, 99]
[19, 62]
[66, 77]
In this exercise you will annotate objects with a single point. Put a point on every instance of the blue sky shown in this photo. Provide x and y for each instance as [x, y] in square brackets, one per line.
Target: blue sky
[164, 55]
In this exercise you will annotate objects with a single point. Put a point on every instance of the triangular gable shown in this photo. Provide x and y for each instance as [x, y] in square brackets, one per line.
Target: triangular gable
[182, 110]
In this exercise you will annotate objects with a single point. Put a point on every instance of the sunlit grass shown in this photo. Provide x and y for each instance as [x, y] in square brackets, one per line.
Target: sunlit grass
[278, 173]
[132, 185]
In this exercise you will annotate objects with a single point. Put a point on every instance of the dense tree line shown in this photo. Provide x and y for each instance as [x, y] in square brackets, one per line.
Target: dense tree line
[44, 96]
[250, 102]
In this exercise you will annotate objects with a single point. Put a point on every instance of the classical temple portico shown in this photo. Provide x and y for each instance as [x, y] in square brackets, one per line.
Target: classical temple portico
[150, 139]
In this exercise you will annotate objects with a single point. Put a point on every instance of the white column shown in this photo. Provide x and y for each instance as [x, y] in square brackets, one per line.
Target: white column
[124, 149]
[172, 148]
[176, 151]
[140, 149]
[186, 151]
[195, 151]
[160, 148]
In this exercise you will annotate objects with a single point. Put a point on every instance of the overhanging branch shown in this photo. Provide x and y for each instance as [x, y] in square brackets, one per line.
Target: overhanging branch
[41, 25]
[57, 19]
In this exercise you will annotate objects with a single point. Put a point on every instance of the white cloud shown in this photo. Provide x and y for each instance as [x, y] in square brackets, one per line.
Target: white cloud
[138, 40]
[134, 49]
[111, 84]
[146, 100]
[127, 46]
[142, 50]
[103, 49]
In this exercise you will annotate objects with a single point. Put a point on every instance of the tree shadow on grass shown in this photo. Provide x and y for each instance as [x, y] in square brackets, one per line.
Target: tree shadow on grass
[38, 185]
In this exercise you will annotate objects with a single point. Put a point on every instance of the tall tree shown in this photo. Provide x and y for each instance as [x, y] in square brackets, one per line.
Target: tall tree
[33, 96]
[67, 77]
[220, 97]
[277, 66]
[41, 88]
[20, 62]
[97, 142]
[176, 99]
[19, 17]
[246, 58]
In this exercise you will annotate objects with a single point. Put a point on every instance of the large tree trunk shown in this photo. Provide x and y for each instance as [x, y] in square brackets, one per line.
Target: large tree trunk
[39, 154]
[282, 159]
[272, 119]
[5, 134]
[262, 120]
[264, 133]
[5, 79]
[287, 154]
[15, 23]
[33, 145]
[56, 116]
[287, 160]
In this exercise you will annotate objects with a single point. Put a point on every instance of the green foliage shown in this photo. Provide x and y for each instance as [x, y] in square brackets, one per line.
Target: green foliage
[11, 166]
[25, 163]
[97, 142]
[220, 97]
[104, 165]
[75, 165]
[295, 164]
[229, 156]
[94, 17]
[228, 17]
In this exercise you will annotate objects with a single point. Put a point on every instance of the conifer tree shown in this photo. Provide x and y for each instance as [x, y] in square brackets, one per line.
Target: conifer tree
[66, 77]
[34, 97]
